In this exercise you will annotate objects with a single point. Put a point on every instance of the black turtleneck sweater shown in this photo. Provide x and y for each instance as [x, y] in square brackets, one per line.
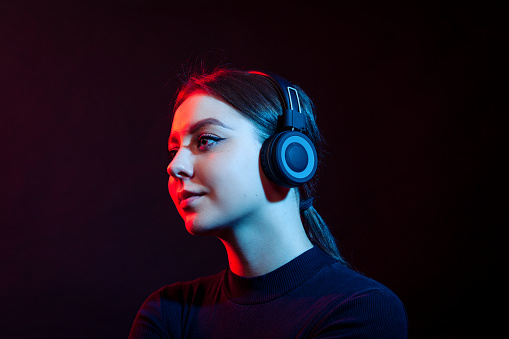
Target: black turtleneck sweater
[312, 296]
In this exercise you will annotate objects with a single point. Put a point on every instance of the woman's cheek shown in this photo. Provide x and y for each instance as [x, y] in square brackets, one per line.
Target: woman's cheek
[172, 189]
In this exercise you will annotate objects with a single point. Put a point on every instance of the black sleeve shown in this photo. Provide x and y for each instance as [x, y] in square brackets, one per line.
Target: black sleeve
[149, 323]
[370, 314]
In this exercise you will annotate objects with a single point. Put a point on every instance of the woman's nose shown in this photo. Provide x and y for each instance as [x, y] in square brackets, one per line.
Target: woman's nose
[181, 165]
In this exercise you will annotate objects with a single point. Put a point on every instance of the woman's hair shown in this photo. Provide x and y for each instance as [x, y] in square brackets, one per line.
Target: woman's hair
[257, 99]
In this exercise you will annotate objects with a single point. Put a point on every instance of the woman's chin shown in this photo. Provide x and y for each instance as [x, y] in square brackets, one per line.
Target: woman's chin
[195, 226]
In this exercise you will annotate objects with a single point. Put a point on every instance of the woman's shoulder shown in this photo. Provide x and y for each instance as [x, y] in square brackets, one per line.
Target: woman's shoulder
[337, 277]
[375, 309]
[348, 303]
[341, 280]
[351, 279]
[161, 312]
[180, 292]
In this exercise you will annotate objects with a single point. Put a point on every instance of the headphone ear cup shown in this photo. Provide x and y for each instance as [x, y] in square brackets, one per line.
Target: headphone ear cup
[266, 156]
[289, 158]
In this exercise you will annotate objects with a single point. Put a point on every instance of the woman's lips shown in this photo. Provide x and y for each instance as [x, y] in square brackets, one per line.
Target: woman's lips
[188, 199]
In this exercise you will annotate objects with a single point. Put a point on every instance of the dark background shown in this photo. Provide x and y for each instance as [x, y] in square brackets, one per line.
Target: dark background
[407, 97]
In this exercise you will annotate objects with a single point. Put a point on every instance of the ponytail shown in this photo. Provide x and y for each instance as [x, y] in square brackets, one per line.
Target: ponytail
[319, 234]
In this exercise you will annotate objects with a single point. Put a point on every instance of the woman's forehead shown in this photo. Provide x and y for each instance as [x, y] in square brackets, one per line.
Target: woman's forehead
[202, 107]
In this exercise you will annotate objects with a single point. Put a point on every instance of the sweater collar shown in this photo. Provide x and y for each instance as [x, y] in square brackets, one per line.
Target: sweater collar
[270, 286]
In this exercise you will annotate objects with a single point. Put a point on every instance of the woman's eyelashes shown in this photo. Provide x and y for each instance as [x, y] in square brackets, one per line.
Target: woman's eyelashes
[207, 141]
[171, 153]
[203, 142]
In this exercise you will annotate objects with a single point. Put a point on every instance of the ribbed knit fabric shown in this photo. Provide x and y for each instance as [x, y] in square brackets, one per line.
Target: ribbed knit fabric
[312, 296]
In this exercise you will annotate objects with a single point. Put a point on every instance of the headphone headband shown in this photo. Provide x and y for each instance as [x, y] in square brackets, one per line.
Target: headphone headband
[292, 118]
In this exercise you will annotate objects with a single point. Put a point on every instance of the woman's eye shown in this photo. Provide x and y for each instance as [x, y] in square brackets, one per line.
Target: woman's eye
[206, 140]
[171, 154]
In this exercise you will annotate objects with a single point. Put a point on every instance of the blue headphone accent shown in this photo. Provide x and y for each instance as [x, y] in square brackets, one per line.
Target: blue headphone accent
[288, 157]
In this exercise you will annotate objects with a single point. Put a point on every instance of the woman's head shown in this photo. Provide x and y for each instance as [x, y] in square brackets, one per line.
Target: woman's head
[253, 97]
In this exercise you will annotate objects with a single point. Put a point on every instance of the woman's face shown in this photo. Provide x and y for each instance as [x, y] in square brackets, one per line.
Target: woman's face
[215, 178]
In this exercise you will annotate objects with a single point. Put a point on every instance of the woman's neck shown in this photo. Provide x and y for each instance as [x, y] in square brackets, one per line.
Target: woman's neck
[257, 249]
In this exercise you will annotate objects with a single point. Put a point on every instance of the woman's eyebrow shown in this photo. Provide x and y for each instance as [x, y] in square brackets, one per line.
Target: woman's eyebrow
[200, 124]
[205, 122]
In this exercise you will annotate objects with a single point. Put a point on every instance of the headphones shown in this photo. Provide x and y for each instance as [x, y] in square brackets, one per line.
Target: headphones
[288, 157]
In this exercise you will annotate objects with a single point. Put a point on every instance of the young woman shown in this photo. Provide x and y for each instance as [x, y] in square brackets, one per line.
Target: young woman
[242, 158]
